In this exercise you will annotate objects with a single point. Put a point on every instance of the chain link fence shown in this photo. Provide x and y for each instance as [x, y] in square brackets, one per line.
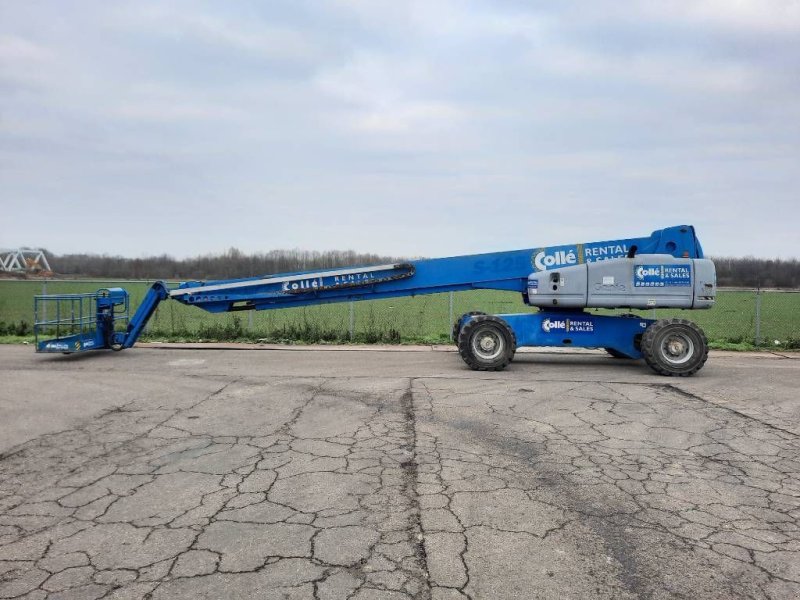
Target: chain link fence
[760, 317]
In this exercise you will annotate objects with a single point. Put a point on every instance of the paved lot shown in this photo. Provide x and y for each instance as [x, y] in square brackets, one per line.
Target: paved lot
[165, 473]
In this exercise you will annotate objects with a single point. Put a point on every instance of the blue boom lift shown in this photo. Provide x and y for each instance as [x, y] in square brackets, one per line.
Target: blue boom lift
[664, 270]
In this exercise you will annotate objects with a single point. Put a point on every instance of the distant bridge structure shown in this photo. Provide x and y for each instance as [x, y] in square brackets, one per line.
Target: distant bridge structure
[23, 260]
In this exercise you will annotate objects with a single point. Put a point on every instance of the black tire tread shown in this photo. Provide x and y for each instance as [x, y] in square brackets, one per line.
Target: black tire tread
[459, 320]
[464, 345]
[649, 352]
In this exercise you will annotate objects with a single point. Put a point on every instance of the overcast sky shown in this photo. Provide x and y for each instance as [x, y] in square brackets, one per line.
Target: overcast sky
[405, 128]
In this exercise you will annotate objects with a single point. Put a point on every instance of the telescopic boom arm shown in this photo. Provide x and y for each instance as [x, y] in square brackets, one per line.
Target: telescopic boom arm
[495, 271]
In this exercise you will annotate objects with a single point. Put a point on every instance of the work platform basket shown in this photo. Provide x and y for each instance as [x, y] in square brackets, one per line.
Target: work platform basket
[75, 322]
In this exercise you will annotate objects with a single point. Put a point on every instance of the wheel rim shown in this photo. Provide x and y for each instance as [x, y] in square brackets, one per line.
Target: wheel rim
[488, 344]
[677, 348]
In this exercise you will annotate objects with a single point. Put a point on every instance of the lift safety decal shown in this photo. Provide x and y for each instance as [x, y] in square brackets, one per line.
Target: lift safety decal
[662, 276]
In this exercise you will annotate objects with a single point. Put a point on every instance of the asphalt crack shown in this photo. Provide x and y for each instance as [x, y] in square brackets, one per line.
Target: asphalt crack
[425, 487]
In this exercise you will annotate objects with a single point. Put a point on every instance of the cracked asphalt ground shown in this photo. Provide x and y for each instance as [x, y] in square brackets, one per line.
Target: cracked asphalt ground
[168, 473]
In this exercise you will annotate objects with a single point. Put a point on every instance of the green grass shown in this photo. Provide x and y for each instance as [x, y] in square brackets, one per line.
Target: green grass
[424, 319]
[16, 339]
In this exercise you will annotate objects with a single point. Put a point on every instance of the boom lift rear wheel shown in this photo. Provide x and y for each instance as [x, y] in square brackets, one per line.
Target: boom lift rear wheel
[674, 347]
[487, 343]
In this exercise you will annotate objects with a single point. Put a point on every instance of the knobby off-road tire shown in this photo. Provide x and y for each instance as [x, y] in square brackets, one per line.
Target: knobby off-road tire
[487, 343]
[459, 321]
[674, 347]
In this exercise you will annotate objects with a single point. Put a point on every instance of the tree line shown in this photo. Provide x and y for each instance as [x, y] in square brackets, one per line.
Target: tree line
[231, 264]
[747, 272]
[753, 272]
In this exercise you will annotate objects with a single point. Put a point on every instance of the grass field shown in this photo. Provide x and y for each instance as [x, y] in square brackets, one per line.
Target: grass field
[420, 319]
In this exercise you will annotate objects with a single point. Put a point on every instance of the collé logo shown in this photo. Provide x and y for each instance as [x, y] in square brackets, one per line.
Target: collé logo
[642, 272]
[568, 325]
[315, 283]
[669, 275]
[549, 325]
[304, 284]
[562, 256]
[556, 257]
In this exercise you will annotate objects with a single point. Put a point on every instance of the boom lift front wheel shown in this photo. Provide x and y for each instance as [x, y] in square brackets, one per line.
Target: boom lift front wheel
[487, 343]
[460, 320]
[674, 347]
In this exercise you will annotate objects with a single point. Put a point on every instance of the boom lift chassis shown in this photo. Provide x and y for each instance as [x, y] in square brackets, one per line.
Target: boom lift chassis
[664, 270]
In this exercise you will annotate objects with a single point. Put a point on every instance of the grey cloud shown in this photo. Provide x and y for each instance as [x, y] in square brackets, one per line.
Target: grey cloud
[424, 128]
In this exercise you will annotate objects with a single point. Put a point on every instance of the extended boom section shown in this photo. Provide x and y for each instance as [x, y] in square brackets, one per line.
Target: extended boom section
[665, 269]
[496, 271]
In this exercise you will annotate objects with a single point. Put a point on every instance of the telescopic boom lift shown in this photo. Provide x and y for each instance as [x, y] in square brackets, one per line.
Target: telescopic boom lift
[663, 270]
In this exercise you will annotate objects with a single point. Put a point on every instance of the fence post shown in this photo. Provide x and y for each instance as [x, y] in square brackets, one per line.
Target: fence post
[450, 318]
[758, 317]
[351, 329]
[250, 320]
[44, 304]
